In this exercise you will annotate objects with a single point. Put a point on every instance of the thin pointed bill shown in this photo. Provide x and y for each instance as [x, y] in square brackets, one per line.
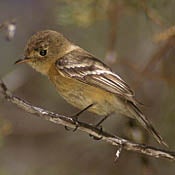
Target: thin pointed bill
[24, 60]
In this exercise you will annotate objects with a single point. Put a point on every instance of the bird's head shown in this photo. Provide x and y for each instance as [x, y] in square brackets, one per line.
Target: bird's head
[43, 49]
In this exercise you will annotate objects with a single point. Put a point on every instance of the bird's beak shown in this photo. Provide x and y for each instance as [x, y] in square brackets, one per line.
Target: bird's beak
[24, 60]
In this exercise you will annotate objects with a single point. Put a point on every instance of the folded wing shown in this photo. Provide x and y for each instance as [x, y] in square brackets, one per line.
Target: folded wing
[84, 67]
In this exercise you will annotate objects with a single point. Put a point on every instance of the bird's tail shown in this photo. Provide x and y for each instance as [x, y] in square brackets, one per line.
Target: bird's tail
[145, 123]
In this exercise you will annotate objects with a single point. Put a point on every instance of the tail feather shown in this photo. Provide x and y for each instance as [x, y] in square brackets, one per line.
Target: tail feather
[145, 123]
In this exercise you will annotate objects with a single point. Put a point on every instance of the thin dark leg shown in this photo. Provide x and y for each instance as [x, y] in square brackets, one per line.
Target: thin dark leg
[81, 111]
[100, 127]
[75, 116]
[102, 120]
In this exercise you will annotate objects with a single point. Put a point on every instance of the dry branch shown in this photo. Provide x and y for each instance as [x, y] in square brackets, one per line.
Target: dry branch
[120, 143]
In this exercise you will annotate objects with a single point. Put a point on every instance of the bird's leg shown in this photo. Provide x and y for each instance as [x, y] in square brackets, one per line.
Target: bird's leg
[101, 121]
[75, 116]
[98, 125]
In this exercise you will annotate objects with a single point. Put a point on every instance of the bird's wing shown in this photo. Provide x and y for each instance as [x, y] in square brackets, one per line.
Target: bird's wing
[82, 66]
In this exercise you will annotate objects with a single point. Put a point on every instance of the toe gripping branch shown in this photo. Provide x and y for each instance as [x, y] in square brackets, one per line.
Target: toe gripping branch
[75, 117]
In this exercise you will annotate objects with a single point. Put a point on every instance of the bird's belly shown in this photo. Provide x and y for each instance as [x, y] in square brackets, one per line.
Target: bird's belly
[82, 95]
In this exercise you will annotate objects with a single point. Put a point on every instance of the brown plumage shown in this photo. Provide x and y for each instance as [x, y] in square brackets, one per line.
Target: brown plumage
[81, 79]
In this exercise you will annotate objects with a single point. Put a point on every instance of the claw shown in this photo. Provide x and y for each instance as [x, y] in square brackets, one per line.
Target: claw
[98, 125]
[97, 138]
[66, 128]
[75, 128]
[75, 120]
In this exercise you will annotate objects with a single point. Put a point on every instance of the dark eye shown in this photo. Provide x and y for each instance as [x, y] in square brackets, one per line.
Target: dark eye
[43, 52]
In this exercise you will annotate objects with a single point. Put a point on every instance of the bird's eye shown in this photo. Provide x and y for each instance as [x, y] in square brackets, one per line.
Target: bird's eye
[43, 52]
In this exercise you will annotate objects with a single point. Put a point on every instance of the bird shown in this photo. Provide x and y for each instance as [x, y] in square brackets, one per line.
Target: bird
[82, 79]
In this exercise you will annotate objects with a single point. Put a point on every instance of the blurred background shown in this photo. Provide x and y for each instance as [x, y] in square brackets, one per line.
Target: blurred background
[135, 38]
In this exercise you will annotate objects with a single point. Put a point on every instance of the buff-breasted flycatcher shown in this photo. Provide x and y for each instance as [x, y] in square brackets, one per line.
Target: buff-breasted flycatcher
[82, 79]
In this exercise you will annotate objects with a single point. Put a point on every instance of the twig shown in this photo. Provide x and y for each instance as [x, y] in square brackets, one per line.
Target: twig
[151, 13]
[165, 35]
[67, 121]
[113, 13]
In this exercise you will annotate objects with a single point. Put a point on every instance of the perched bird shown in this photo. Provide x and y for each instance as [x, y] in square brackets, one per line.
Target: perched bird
[81, 79]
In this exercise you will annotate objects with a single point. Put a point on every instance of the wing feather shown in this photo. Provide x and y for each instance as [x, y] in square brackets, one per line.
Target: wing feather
[80, 65]
[86, 68]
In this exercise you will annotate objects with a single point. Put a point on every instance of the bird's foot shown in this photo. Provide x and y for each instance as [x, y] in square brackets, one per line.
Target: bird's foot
[98, 126]
[75, 120]
[75, 117]
[100, 131]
